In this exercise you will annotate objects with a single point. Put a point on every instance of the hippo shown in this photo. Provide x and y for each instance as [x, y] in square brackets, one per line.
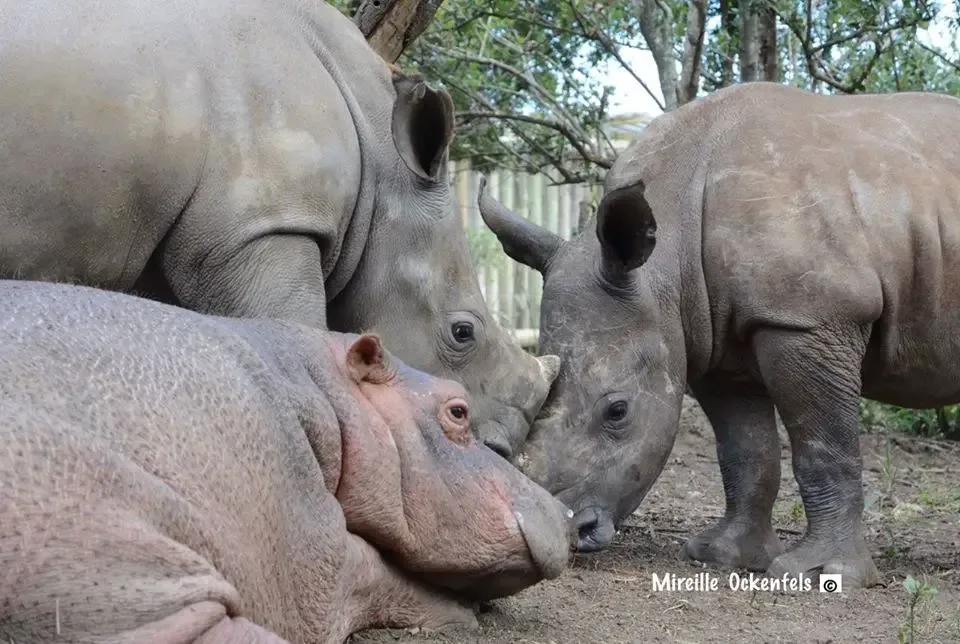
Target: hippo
[248, 158]
[772, 249]
[171, 476]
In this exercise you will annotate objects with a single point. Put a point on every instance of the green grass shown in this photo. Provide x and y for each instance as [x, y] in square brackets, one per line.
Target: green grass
[943, 422]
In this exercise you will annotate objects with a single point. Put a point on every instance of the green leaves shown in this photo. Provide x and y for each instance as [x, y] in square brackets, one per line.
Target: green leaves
[528, 76]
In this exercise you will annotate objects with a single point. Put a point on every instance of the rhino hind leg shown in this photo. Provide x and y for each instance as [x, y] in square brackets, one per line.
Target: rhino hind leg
[814, 379]
[748, 449]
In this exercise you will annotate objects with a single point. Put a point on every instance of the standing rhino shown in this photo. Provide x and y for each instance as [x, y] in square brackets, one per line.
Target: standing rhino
[768, 247]
[174, 477]
[246, 158]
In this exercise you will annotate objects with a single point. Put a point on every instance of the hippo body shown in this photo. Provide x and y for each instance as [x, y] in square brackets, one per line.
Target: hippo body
[175, 477]
[770, 248]
[250, 158]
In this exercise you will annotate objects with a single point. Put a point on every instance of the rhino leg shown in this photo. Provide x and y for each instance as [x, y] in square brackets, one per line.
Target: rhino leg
[275, 275]
[748, 449]
[814, 379]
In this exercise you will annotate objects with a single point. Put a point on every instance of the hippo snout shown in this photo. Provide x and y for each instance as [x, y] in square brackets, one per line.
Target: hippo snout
[548, 530]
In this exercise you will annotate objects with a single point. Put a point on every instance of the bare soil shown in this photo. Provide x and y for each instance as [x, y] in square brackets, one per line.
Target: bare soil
[913, 506]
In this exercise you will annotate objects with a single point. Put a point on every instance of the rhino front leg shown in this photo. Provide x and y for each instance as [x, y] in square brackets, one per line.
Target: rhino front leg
[276, 275]
[814, 379]
[748, 450]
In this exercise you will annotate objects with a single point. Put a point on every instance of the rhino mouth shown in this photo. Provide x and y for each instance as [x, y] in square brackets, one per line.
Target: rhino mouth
[595, 530]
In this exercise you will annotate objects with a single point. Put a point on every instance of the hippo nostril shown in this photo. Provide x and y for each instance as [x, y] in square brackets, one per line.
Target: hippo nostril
[501, 447]
[594, 530]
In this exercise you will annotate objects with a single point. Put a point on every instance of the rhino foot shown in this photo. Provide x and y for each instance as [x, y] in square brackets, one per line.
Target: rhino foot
[733, 544]
[814, 557]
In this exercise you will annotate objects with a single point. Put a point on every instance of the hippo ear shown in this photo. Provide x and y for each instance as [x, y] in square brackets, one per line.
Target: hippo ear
[626, 229]
[522, 240]
[422, 125]
[367, 361]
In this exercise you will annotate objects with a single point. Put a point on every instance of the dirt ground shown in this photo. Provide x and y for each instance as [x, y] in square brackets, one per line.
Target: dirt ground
[913, 506]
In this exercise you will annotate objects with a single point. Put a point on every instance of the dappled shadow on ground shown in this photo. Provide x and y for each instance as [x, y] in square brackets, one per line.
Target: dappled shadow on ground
[912, 523]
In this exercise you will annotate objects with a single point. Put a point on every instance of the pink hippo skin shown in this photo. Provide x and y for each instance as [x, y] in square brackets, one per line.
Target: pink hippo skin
[173, 477]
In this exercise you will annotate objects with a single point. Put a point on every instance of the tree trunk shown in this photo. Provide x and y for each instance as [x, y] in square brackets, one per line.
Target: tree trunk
[692, 52]
[769, 56]
[727, 24]
[749, 58]
[391, 25]
[656, 26]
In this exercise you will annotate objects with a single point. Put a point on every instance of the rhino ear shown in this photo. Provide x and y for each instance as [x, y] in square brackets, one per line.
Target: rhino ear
[422, 125]
[626, 229]
[367, 361]
[522, 240]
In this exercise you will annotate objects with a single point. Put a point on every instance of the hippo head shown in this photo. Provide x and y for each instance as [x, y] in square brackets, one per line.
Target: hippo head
[420, 289]
[604, 434]
[417, 485]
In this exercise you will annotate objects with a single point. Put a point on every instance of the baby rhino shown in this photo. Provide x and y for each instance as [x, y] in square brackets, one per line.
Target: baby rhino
[173, 477]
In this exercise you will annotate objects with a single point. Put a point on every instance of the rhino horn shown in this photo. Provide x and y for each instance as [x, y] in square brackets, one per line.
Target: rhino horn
[522, 240]
[549, 367]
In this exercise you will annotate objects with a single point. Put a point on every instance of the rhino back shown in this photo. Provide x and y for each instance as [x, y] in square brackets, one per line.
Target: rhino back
[146, 446]
[819, 209]
[123, 116]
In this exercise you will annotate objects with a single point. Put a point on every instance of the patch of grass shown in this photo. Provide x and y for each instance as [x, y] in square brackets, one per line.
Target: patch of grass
[939, 500]
[796, 510]
[894, 551]
[921, 596]
[890, 470]
[943, 422]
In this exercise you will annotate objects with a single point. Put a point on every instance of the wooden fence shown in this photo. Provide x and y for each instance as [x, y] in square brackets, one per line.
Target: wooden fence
[512, 291]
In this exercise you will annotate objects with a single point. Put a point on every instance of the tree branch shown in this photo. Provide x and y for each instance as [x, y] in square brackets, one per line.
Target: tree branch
[391, 25]
[539, 90]
[609, 46]
[568, 134]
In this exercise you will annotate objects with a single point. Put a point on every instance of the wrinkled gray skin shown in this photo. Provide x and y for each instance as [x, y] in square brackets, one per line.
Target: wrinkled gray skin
[788, 250]
[175, 477]
[247, 158]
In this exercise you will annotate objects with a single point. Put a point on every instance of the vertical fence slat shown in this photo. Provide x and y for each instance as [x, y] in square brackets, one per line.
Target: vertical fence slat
[512, 291]
[537, 185]
[494, 275]
[522, 274]
[507, 266]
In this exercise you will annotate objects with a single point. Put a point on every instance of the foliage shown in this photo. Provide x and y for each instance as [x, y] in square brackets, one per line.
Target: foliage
[484, 248]
[943, 422]
[920, 594]
[523, 73]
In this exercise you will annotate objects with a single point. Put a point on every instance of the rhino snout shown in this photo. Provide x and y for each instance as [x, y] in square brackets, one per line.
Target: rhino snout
[595, 529]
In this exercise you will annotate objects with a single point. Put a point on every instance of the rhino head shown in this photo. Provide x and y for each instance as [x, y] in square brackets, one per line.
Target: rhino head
[610, 312]
[420, 289]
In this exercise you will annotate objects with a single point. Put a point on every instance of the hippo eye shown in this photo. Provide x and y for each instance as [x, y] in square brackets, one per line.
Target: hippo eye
[455, 421]
[617, 411]
[462, 332]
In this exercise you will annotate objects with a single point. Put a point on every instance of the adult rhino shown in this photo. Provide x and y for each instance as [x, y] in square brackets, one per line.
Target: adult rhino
[771, 248]
[247, 158]
[174, 477]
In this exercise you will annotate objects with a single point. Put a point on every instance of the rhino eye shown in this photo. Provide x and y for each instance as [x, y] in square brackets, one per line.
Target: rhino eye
[617, 411]
[462, 332]
[459, 412]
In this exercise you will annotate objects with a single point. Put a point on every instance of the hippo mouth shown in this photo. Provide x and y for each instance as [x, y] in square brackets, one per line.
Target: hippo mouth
[546, 529]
